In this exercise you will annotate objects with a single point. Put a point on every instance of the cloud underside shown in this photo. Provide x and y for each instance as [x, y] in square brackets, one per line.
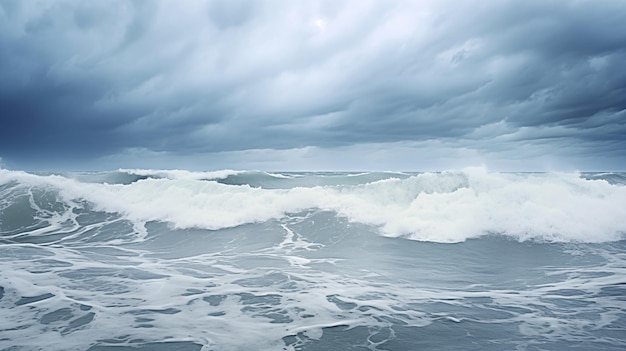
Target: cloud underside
[85, 80]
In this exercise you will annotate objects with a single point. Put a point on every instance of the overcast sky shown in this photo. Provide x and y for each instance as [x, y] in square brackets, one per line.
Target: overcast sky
[313, 85]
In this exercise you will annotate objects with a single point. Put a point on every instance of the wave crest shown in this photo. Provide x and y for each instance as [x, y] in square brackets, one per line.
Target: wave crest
[439, 207]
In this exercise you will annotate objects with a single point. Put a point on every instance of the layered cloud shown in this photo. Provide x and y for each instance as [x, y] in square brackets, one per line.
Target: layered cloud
[119, 79]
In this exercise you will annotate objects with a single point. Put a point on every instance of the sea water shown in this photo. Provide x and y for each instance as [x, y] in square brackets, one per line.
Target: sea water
[230, 260]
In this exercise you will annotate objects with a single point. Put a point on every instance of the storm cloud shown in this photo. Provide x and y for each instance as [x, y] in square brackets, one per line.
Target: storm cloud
[268, 84]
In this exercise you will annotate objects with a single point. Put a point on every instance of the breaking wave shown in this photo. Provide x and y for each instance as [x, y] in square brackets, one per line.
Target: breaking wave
[450, 206]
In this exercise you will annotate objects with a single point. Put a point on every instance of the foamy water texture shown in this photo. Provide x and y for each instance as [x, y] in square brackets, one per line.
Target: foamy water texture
[232, 260]
[439, 207]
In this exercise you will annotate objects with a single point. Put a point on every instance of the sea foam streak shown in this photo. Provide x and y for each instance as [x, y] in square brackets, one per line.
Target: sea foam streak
[440, 207]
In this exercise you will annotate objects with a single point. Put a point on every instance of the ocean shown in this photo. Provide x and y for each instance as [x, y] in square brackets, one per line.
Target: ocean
[244, 260]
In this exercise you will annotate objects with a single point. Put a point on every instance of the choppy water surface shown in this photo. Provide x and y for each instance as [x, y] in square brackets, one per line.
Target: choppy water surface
[177, 260]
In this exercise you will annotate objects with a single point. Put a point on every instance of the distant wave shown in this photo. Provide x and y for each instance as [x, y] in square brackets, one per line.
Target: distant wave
[289, 180]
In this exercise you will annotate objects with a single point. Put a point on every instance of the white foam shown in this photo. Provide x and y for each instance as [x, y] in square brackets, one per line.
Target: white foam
[440, 207]
[452, 207]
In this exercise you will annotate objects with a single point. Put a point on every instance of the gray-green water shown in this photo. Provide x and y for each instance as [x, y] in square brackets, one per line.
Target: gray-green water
[175, 260]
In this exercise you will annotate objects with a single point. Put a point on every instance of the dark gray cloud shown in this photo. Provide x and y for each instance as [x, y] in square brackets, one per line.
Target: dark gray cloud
[209, 80]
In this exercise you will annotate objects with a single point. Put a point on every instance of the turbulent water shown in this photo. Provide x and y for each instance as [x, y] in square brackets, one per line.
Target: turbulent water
[177, 260]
